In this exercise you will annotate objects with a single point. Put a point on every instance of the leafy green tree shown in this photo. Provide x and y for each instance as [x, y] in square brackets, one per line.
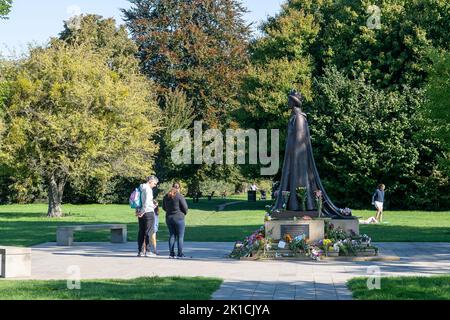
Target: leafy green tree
[436, 109]
[5, 8]
[280, 62]
[70, 116]
[198, 47]
[438, 95]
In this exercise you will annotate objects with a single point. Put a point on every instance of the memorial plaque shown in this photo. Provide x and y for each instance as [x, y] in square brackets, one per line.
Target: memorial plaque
[295, 230]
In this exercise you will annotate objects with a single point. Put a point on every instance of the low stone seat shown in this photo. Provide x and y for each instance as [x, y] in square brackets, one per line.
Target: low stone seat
[15, 262]
[64, 235]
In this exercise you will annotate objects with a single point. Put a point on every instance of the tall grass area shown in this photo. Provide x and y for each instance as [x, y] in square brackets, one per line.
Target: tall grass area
[26, 225]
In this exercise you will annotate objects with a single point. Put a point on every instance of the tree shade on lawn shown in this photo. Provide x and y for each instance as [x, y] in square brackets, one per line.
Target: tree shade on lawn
[403, 288]
[155, 288]
[26, 225]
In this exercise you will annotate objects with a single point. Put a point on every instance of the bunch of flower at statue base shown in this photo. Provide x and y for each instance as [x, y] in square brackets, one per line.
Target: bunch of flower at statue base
[319, 201]
[346, 212]
[286, 195]
[302, 195]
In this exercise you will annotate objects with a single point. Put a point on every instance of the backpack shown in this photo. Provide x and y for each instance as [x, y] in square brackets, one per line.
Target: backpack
[135, 199]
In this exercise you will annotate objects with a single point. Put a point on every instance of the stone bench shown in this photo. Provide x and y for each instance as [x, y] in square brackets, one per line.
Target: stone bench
[15, 262]
[64, 235]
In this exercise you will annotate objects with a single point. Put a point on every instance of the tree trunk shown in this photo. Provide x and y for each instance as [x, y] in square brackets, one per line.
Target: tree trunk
[55, 194]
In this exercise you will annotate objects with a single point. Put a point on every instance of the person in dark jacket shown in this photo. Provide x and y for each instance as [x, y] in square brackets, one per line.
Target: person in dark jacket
[176, 209]
[378, 201]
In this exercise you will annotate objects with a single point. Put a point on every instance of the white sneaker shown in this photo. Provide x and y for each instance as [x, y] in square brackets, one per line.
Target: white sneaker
[151, 255]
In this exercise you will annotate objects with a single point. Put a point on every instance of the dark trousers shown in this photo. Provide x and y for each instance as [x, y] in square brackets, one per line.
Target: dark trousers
[146, 229]
[176, 234]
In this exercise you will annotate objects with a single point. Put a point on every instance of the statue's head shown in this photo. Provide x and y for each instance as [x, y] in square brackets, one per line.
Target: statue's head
[295, 99]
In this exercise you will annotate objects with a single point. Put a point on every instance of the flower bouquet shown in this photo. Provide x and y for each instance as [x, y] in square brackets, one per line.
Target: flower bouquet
[302, 194]
[299, 244]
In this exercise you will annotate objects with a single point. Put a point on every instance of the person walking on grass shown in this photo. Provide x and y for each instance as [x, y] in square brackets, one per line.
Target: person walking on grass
[176, 208]
[378, 200]
[146, 216]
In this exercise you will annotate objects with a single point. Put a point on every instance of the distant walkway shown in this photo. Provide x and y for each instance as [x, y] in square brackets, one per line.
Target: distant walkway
[242, 279]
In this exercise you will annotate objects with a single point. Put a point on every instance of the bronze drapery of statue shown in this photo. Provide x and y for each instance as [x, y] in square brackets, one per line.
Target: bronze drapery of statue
[299, 167]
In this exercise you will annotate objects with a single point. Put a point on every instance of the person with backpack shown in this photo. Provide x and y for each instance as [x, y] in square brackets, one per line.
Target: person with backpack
[176, 208]
[146, 215]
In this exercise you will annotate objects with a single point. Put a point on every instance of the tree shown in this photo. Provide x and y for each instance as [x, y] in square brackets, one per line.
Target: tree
[309, 38]
[438, 95]
[364, 136]
[70, 117]
[197, 46]
[5, 8]
[280, 61]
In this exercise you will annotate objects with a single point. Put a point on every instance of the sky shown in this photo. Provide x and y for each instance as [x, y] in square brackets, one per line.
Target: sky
[32, 21]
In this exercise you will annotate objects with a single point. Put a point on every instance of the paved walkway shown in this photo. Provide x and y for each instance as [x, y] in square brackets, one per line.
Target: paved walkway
[242, 279]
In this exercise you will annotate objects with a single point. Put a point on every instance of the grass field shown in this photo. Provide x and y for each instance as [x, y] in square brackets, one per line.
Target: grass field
[26, 225]
[403, 288]
[156, 288]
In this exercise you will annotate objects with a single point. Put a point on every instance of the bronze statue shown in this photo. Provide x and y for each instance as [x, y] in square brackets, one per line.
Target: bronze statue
[299, 167]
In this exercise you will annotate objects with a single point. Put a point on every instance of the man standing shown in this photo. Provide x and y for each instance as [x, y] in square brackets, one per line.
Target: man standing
[146, 215]
[378, 200]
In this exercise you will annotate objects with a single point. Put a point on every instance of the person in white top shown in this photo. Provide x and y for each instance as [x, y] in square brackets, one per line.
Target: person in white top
[146, 215]
[253, 187]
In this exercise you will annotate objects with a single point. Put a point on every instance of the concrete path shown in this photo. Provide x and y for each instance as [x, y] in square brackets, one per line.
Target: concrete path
[242, 279]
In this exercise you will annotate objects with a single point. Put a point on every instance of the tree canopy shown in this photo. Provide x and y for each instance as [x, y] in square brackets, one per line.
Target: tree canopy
[5, 8]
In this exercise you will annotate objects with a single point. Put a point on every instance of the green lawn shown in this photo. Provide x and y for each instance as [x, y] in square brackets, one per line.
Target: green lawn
[26, 225]
[170, 288]
[403, 288]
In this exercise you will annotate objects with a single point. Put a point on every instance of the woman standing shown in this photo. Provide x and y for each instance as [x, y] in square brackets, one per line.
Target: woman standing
[176, 210]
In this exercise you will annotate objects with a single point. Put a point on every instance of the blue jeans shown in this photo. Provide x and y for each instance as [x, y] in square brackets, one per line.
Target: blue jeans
[176, 234]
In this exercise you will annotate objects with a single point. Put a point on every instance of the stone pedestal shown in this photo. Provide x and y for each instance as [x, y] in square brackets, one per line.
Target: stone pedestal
[15, 262]
[347, 225]
[313, 229]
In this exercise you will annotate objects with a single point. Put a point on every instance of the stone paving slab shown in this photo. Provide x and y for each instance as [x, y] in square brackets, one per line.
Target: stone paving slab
[243, 280]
